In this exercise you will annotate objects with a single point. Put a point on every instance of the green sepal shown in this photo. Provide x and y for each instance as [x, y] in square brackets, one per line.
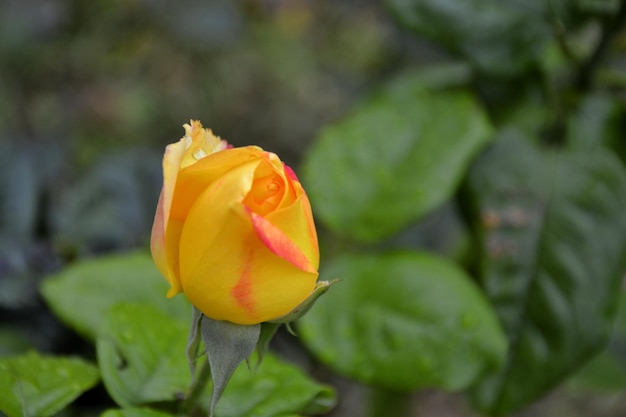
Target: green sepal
[268, 330]
[320, 288]
[227, 345]
[193, 342]
[290, 329]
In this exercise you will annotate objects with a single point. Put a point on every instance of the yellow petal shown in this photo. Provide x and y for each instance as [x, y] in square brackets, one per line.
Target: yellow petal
[171, 165]
[162, 257]
[199, 143]
[279, 243]
[157, 239]
[172, 244]
[160, 247]
[226, 271]
[194, 179]
[270, 188]
[296, 221]
[189, 183]
[195, 145]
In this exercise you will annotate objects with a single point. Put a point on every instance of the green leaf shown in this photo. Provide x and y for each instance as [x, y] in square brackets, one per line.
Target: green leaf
[39, 386]
[274, 389]
[500, 37]
[553, 237]
[607, 371]
[141, 354]
[82, 294]
[604, 373]
[398, 156]
[598, 122]
[134, 412]
[404, 320]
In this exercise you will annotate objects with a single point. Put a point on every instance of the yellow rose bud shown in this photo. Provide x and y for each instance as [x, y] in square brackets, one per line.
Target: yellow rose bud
[233, 230]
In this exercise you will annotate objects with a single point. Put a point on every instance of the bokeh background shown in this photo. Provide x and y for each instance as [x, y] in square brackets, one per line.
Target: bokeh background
[92, 91]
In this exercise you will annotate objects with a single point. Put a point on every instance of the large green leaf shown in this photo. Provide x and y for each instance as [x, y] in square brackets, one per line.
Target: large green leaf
[81, 294]
[606, 373]
[404, 320]
[398, 156]
[38, 386]
[598, 122]
[553, 238]
[274, 389]
[141, 354]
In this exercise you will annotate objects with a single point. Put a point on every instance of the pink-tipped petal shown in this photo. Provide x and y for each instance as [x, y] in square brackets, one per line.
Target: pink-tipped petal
[296, 221]
[159, 251]
[290, 173]
[279, 243]
[157, 239]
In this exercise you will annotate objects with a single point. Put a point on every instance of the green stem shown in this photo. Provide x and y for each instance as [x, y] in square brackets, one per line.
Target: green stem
[203, 377]
[385, 403]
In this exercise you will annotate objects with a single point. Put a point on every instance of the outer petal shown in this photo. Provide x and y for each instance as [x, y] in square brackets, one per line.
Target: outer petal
[172, 241]
[199, 143]
[194, 179]
[159, 250]
[296, 221]
[190, 183]
[157, 239]
[279, 243]
[194, 146]
[228, 273]
[171, 161]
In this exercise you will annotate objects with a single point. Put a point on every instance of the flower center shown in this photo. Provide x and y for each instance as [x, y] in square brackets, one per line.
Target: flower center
[265, 194]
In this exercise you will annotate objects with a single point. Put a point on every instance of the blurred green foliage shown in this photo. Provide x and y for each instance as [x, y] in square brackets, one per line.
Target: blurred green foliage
[407, 145]
[406, 320]
[465, 163]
